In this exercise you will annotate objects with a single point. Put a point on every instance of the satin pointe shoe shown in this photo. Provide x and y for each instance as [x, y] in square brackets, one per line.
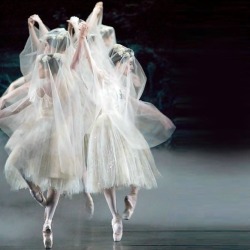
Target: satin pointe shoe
[89, 205]
[130, 203]
[117, 228]
[37, 194]
[47, 235]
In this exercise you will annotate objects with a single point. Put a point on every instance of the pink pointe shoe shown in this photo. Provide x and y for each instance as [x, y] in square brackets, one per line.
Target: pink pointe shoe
[130, 202]
[89, 205]
[117, 228]
[47, 235]
[37, 194]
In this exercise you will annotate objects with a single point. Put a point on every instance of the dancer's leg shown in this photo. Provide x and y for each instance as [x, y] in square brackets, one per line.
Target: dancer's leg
[134, 190]
[110, 196]
[35, 191]
[53, 197]
[130, 202]
[52, 201]
[89, 204]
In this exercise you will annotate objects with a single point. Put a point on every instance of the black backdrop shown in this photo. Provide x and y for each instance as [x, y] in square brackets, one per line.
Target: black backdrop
[195, 54]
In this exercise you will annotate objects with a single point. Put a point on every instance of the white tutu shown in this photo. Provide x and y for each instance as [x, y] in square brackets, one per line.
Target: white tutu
[113, 162]
[33, 151]
[123, 127]
[46, 125]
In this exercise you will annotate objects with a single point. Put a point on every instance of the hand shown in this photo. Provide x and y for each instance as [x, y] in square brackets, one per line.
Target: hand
[73, 21]
[83, 27]
[10, 89]
[98, 8]
[36, 18]
[2, 102]
[31, 22]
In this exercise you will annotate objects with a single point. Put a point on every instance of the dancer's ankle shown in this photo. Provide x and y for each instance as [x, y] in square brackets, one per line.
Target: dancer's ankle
[134, 191]
[48, 221]
[116, 215]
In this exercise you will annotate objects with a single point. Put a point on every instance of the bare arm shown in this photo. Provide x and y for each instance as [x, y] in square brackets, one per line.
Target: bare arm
[42, 28]
[73, 27]
[8, 112]
[19, 82]
[12, 94]
[82, 47]
[32, 32]
[95, 15]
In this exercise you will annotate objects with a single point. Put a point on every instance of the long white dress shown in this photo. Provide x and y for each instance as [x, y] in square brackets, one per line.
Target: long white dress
[118, 148]
[46, 145]
[117, 156]
[35, 151]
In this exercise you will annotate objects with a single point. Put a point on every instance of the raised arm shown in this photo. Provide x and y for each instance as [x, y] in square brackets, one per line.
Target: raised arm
[42, 28]
[73, 27]
[95, 16]
[32, 32]
[82, 48]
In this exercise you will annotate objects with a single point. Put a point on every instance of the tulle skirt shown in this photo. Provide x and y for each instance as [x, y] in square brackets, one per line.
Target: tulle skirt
[112, 161]
[34, 153]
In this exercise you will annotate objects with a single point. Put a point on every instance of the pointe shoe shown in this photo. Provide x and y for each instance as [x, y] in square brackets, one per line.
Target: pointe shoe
[130, 202]
[38, 196]
[117, 228]
[47, 235]
[89, 205]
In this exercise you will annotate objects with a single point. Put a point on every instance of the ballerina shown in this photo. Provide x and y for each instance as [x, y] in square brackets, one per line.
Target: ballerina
[103, 39]
[53, 41]
[118, 154]
[74, 25]
[46, 149]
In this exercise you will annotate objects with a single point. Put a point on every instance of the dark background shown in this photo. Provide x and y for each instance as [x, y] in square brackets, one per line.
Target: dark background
[194, 53]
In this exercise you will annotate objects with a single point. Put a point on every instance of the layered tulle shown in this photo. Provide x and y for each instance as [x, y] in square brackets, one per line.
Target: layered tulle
[91, 115]
[34, 150]
[46, 142]
[123, 127]
[113, 162]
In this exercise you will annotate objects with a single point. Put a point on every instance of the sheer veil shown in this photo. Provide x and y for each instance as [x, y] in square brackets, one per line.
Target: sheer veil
[50, 132]
[55, 41]
[118, 82]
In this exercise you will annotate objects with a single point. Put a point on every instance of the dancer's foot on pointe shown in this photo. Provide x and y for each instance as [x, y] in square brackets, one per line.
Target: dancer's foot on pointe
[117, 228]
[37, 194]
[89, 205]
[47, 235]
[130, 203]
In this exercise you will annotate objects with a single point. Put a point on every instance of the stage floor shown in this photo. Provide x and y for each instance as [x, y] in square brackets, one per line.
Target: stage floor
[99, 237]
[202, 202]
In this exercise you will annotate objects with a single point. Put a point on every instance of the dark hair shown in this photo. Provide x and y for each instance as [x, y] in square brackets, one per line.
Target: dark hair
[60, 44]
[122, 56]
[52, 62]
[106, 31]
